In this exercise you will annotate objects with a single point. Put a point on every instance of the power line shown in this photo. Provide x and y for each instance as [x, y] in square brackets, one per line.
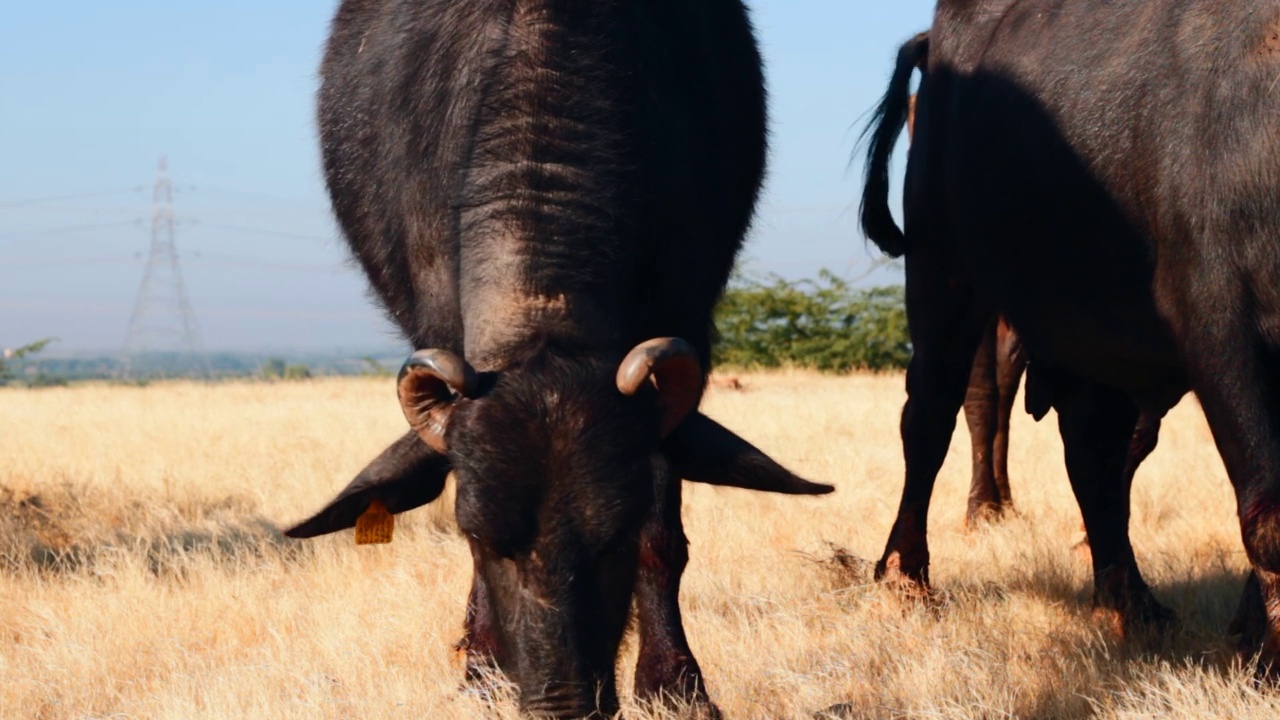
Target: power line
[232, 261]
[197, 258]
[246, 264]
[264, 231]
[59, 198]
[254, 194]
[28, 263]
[77, 305]
[59, 229]
[195, 223]
[68, 210]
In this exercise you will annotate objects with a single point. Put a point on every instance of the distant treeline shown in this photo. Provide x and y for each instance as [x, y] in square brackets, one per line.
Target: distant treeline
[769, 322]
[823, 324]
[35, 370]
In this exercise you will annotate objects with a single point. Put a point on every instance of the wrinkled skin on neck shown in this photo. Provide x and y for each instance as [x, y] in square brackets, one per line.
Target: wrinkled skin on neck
[555, 472]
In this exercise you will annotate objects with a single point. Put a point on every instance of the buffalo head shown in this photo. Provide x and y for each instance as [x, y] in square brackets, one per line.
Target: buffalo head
[557, 458]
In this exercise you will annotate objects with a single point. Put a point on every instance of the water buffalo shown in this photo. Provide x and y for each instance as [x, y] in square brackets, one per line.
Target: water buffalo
[998, 367]
[547, 197]
[1105, 176]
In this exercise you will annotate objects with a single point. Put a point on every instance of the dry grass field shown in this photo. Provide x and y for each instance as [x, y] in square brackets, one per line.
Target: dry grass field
[142, 573]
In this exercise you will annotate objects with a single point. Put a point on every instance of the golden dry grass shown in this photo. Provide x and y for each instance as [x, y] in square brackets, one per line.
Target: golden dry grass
[142, 575]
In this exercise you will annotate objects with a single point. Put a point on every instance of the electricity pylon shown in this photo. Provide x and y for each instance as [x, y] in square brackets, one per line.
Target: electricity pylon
[162, 318]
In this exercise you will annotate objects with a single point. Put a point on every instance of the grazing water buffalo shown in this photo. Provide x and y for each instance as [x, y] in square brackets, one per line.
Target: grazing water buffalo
[547, 196]
[997, 371]
[1106, 176]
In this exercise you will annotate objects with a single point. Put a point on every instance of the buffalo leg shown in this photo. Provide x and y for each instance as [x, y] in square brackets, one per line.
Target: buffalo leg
[1011, 362]
[1145, 437]
[1237, 379]
[1142, 444]
[1097, 424]
[946, 326]
[988, 406]
[666, 667]
[981, 408]
[1250, 621]
[478, 643]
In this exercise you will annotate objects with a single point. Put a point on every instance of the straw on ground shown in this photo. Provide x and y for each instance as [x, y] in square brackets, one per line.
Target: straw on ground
[142, 573]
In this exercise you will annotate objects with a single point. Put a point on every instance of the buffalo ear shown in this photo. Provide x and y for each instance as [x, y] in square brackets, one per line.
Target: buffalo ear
[430, 383]
[671, 365]
[408, 474]
[702, 450]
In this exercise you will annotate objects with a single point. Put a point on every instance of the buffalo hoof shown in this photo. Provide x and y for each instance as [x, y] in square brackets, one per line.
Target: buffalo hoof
[1141, 619]
[1266, 670]
[686, 708]
[1082, 549]
[1266, 674]
[1123, 602]
[913, 587]
[909, 577]
[1256, 639]
[1250, 621]
[986, 512]
[676, 684]
[1150, 625]
[705, 711]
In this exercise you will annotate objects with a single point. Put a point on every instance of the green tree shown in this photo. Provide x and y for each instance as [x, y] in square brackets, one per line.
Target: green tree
[823, 324]
[375, 368]
[273, 368]
[297, 372]
[12, 355]
[278, 369]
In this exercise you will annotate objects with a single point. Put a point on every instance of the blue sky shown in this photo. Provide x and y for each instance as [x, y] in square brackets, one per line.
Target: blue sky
[93, 93]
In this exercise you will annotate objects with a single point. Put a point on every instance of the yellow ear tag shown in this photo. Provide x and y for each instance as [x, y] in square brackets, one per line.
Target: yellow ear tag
[375, 525]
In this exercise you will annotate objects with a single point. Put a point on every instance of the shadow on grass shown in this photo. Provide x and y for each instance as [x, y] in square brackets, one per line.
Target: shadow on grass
[70, 530]
[1102, 665]
[70, 527]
